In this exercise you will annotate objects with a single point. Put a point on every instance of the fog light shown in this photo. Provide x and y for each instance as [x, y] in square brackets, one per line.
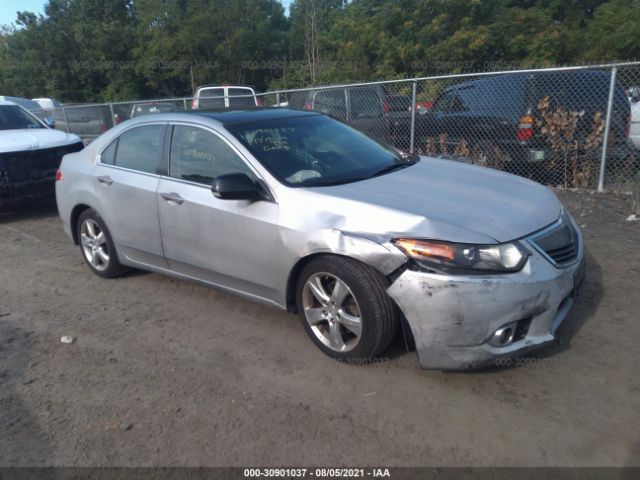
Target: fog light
[503, 336]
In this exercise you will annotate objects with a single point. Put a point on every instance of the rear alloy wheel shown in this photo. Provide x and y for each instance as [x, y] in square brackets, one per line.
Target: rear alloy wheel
[345, 309]
[97, 246]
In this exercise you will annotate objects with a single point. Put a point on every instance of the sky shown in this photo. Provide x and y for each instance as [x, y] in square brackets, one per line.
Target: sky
[8, 8]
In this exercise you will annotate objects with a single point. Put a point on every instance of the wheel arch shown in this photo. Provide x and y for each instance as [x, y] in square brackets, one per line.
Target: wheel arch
[296, 270]
[73, 220]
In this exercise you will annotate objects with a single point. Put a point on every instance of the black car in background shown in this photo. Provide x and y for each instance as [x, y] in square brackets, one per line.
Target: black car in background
[534, 124]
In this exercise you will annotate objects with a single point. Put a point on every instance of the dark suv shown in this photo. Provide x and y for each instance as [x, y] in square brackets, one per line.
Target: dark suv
[364, 108]
[524, 123]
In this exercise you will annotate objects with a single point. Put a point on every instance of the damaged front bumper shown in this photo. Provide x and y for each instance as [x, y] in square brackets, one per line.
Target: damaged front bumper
[454, 318]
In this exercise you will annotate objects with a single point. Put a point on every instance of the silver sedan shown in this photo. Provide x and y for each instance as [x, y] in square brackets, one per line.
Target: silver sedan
[301, 211]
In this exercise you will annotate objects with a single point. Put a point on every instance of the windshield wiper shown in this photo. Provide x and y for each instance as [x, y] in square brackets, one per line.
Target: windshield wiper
[336, 181]
[394, 167]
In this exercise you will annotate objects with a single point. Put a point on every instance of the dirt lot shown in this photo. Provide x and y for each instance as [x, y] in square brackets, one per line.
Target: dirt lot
[164, 372]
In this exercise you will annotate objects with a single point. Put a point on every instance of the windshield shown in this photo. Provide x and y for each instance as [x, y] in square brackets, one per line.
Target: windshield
[12, 117]
[317, 151]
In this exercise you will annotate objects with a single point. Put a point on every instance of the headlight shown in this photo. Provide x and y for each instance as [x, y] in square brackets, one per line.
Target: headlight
[506, 257]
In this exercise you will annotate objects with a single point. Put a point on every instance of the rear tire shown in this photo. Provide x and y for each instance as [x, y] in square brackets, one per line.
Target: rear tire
[96, 245]
[345, 309]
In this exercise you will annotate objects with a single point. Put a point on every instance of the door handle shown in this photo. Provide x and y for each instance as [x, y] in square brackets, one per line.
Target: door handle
[105, 179]
[172, 197]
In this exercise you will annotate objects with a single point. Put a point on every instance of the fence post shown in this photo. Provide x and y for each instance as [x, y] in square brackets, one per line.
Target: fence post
[113, 116]
[66, 121]
[413, 116]
[277, 99]
[184, 102]
[607, 127]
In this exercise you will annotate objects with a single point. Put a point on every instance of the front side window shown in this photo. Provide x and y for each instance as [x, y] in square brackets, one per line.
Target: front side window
[200, 156]
[13, 117]
[316, 150]
[137, 149]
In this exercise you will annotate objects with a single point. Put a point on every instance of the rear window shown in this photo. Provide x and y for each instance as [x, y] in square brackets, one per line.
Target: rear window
[331, 102]
[211, 98]
[235, 100]
[137, 149]
[211, 92]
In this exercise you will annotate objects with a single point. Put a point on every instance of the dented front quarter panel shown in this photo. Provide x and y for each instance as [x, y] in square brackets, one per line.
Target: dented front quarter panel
[311, 222]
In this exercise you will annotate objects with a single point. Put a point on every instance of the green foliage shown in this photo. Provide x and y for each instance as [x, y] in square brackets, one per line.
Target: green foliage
[97, 50]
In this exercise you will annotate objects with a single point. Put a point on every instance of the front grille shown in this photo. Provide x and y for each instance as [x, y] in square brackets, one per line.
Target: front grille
[559, 244]
[34, 164]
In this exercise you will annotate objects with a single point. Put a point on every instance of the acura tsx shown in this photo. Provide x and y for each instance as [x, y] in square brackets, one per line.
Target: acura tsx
[301, 211]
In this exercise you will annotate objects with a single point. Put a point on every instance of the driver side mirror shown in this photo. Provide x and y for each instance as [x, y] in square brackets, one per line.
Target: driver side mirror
[235, 186]
[50, 122]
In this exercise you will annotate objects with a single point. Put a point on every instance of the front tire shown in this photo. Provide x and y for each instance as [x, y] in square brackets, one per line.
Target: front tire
[97, 246]
[345, 309]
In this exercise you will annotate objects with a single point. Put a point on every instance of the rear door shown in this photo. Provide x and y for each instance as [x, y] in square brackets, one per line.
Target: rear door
[126, 180]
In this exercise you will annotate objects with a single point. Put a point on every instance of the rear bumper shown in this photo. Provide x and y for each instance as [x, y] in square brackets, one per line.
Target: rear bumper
[453, 317]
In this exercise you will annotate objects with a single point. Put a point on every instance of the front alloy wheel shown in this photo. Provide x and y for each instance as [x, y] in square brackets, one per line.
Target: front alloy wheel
[332, 312]
[344, 307]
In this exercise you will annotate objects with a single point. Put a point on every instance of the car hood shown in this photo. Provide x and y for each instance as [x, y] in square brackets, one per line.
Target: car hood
[33, 139]
[441, 199]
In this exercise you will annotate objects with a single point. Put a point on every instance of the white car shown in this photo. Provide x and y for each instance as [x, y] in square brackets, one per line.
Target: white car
[48, 103]
[31, 106]
[30, 154]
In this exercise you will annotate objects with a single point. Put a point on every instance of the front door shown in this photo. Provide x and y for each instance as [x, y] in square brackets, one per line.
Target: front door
[229, 243]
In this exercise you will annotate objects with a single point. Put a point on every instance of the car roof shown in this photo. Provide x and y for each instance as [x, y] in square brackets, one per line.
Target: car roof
[23, 102]
[229, 85]
[540, 76]
[237, 117]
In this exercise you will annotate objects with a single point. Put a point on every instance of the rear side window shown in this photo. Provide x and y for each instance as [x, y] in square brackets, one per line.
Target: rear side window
[139, 148]
[109, 154]
[331, 102]
[365, 102]
[241, 101]
[200, 156]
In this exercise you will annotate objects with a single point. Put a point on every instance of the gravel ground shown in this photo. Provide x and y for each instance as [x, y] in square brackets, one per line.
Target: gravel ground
[165, 372]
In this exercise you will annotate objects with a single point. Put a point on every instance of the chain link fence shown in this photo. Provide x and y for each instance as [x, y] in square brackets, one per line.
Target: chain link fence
[573, 127]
